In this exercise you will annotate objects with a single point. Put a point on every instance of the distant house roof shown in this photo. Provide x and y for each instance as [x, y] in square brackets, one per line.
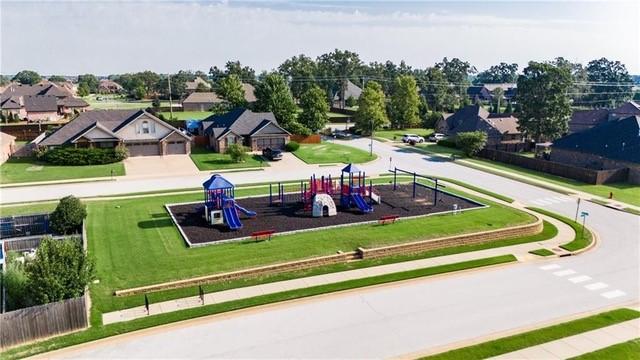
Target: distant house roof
[11, 102]
[193, 85]
[202, 97]
[586, 119]
[479, 92]
[476, 118]
[503, 86]
[352, 91]
[73, 102]
[44, 88]
[109, 84]
[240, 121]
[40, 103]
[618, 139]
[110, 120]
[628, 108]
[249, 92]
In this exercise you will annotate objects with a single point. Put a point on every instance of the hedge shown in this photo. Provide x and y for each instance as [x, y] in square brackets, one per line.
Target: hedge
[83, 156]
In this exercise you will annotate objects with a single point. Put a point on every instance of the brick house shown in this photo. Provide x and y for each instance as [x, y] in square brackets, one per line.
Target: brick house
[7, 146]
[586, 119]
[107, 86]
[256, 131]
[204, 101]
[42, 102]
[501, 129]
[610, 145]
[139, 131]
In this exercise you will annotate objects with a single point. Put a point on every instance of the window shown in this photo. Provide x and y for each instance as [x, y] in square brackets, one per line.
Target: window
[145, 127]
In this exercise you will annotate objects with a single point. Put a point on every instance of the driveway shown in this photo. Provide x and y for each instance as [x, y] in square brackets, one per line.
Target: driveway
[168, 165]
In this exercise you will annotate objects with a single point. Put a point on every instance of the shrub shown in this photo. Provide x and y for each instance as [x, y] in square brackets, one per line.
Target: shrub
[60, 270]
[447, 143]
[83, 156]
[471, 142]
[237, 152]
[68, 216]
[16, 284]
[292, 146]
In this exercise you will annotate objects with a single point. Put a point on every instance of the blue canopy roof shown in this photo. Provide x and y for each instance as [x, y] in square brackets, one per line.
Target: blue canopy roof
[351, 169]
[217, 182]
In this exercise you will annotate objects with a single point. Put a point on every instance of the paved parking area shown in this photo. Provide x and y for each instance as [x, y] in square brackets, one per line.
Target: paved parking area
[160, 165]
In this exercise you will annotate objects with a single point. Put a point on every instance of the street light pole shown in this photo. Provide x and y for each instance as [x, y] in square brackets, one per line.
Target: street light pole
[577, 210]
[170, 102]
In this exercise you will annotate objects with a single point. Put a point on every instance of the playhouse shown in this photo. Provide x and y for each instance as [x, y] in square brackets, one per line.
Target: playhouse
[220, 207]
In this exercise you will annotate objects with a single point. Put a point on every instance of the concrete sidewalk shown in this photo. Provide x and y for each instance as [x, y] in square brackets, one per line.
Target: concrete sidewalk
[579, 344]
[521, 251]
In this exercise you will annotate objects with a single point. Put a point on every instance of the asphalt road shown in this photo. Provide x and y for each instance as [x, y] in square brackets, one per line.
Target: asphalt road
[418, 315]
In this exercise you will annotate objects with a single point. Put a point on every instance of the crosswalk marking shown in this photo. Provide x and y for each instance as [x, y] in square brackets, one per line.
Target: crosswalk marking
[596, 286]
[564, 272]
[551, 200]
[550, 267]
[579, 279]
[613, 294]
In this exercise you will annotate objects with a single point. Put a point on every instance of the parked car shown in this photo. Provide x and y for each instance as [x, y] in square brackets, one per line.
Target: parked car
[412, 138]
[272, 154]
[435, 137]
[339, 134]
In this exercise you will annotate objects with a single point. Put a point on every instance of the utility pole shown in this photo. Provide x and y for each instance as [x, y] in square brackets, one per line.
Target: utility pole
[170, 102]
[577, 210]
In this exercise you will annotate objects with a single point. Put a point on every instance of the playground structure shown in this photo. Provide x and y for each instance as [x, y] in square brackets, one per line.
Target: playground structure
[317, 194]
[415, 184]
[220, 206]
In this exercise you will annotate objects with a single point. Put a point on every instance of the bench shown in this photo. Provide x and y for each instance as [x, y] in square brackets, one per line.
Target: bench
[262, 235]
[388, 219]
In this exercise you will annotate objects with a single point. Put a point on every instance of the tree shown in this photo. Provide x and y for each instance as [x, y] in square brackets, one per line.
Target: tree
[372, 113]
[497, 94]
[91, 82]
[544, 105]
[245, 73]
[139, 92]
[336, 68]
[236, 152]
[230, 89]
[83, 90]
[178, 85]
[405, 102]
[387, 71]
[155, 103]
[60, 270]
[496, 74]
[201, 87]
[314, 109]
[57, 78]
[68, 216]
[431, 120]
[27, 77]
[471, 142]
[3, 80]
[273, 94]
[611, 82]
[434, 86]
[300, 71]
[457, 73]
[580, 89]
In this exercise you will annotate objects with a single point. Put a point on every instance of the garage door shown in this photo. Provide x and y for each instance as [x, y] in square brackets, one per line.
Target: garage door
[143, 149]
[272, 143]
[176, 147]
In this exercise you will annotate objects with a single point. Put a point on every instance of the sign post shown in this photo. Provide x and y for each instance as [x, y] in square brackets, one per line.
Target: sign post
[583, 215]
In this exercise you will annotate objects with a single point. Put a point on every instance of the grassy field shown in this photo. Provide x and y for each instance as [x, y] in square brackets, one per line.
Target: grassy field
[208, 160]
[539, 336]
[98, 331]
[330, 153]
[146, 241]
[117, 102]
[624, 192]
[629, 350]
[187, 115]
[20, 170]
[397, 134]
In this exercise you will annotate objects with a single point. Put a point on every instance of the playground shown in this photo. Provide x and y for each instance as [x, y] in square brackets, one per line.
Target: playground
[318, 203]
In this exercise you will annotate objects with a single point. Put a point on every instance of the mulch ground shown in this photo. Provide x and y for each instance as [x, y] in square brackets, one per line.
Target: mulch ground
[293, 217]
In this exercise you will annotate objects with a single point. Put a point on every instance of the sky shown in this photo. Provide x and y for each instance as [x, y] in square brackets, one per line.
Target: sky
[107, 37]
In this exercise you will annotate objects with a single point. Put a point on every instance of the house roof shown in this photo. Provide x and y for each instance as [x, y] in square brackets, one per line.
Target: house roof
[628, 108]
[503, 86]
[109, 84]
[352, 90]
[585, 119]
[217, 182]
[202, 97]
[351, 169]
[72, 102]
[240, 121]
[193, 85]
[110, 120]
[479, 92]
[476, 118]
[11, 102]
[249, 92]
[616, 139]
[43, 88]
[40, 103]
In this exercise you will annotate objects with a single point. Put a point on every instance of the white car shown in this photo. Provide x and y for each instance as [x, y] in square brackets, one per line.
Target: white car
[435, 137]
[406, 138]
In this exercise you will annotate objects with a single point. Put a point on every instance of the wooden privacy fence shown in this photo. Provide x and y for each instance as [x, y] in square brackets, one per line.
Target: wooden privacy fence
[304, 139]
[37, 322]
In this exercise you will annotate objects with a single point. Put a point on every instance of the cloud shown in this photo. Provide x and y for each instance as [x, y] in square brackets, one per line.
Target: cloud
[112, 37]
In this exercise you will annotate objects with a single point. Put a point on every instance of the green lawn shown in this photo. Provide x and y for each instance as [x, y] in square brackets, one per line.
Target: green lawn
[20, 170]
[434, 148]
[629, 350]
[208, 160]
[582, 237]
[624, 192]
[330, 153]
[541, 252]
[187, 115]
[333, 115]
[397, 134]
[539, 336]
